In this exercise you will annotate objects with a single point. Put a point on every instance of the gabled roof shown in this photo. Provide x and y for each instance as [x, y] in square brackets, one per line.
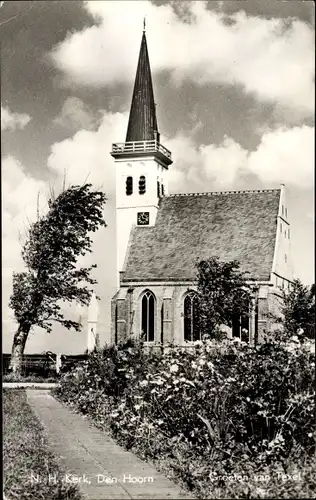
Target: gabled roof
[231, 225]
[142, 119]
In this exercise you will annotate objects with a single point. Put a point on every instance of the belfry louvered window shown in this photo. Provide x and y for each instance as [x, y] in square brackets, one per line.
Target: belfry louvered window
[148, 311]
[191, 305]
[142, 185]
[129, 185]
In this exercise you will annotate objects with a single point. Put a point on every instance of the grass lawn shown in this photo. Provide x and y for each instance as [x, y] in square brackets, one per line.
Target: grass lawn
[26, 455]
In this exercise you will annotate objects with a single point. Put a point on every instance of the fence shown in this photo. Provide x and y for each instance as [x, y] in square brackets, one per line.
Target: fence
[45, 364]
[140, 147]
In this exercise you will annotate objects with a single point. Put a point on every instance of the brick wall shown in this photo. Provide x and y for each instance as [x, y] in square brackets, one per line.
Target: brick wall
[171, 297]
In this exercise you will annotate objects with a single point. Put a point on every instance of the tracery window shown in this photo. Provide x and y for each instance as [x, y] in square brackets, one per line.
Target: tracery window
[148, 310]
[191, 312]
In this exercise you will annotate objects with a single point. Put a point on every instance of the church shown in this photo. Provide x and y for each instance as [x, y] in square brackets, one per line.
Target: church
[161, 236]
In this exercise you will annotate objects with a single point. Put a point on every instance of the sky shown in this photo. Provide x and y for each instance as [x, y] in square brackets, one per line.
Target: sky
[234, 87]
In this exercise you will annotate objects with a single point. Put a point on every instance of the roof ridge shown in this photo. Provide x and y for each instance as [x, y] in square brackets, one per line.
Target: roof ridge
[241, 191]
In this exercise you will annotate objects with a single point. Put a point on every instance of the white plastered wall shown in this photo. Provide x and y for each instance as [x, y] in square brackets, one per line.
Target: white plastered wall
[128, 206]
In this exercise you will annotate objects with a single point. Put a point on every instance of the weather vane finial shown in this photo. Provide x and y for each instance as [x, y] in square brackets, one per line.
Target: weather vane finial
[144, 24]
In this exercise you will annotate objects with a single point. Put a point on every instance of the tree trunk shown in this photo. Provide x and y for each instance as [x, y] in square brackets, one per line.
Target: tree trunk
[18, 347]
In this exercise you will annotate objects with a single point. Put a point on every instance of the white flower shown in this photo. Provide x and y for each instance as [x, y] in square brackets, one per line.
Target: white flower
[201, 362]
[193, 364]
[142, 383]
[174, 368]
[137, 407]
[260, 492]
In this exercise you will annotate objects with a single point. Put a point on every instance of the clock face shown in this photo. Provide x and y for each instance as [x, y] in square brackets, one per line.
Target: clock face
[143, 218]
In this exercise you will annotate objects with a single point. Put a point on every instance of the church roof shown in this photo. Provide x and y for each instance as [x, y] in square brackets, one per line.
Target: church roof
[231, 225]
[142, 119]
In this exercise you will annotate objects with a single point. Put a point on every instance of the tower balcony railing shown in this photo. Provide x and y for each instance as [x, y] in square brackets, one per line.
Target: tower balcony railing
[153, 146]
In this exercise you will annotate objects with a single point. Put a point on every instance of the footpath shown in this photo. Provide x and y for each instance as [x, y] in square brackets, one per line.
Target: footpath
[90, 458]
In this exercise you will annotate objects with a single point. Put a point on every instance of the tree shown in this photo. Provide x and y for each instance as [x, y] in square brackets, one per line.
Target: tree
[223, 292]
[54, 244]
[299, 309]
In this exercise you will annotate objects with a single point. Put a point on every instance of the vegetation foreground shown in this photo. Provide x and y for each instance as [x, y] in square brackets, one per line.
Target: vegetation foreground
[224, 419]
[26, 457]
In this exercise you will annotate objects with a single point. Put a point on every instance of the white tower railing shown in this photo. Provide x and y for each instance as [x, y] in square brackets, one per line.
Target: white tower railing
[153, 146]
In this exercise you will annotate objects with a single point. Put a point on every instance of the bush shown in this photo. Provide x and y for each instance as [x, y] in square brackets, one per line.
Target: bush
[11, 377]
[299, 310]
[212, 410]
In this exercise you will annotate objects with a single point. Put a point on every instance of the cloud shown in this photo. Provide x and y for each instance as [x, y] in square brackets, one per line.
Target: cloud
[204, 167]
[269, 58]
[86, 156]
[75, 114]
[19, 194]
[283, 156]
[13, 121]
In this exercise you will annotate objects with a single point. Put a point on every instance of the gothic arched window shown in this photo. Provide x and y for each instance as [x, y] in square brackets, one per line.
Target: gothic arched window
[142, 185]
[129, 185]
[148, 311]
[191, 305]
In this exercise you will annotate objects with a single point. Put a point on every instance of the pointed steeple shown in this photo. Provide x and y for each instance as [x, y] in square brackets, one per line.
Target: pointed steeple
[142, 124]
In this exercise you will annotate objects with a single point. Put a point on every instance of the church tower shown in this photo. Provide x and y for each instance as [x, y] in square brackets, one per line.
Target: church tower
[141, 161]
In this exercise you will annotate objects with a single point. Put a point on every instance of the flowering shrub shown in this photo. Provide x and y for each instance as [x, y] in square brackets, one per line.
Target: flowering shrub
[207, 411]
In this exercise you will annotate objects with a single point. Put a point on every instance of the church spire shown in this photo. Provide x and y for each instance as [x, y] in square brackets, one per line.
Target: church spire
[142, 124]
